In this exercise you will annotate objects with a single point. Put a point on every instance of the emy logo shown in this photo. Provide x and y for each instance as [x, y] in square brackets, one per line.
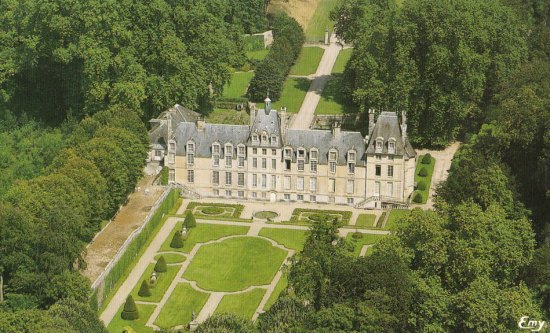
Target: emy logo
[525, 323]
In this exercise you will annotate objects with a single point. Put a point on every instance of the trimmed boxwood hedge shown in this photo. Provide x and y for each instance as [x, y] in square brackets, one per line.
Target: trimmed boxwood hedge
[144, 290]
[238, 209]
[423, 172]
[160, 266]
[426, 159]
[422, 185]
[346, 215]
[130, 311]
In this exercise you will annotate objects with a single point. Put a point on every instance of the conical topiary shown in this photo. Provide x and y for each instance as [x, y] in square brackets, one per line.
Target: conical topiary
[422, 185]
[426, 159]
[130, 311]
[160, 266]
[177, 241]
[418, 197]
[189, 221]
[144, 290]
[423, 172]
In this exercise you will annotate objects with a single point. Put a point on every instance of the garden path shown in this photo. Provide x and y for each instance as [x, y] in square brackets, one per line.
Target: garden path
[364, 249]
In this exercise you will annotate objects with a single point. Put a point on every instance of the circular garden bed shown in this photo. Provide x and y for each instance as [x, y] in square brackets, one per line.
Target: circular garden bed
[212, 210]
[265, 214]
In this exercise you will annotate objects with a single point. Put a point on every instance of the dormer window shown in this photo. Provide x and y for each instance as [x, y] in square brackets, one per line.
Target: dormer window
[301, 153]
[190, 153]
[391, 146]
[216, 154]
[255, 138]
[191, 148]
[274, 140]
[351, 162]
[215, 148]
[379, 145]
[288, 158]
[241, 150]
[288, 152]
[313, 155]
[264, 139]
[332, 155]
[228, 155]
[301, 159]
[171, 152]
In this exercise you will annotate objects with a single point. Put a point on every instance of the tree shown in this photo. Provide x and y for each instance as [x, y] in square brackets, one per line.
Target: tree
[144, 290]
[79, 315]
[226, 323]
[189, 221]
[130, 311]
[177, 241]
[32, 321]
[160, 266]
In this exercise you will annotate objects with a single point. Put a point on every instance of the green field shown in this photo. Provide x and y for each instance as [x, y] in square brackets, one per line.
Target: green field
[180, 306]
[332, 101]
[243, 305]
[365, 220]
[118, 324]
[281, 285]
[235, 264]
[341, 61]
[320, 21]
[203, 233]
[163, 282]
[308, 61]
[229, 117]
[427, 179]
[395, 216]
[293, 94]
[291, 239]
[237, 85]
[365, 240]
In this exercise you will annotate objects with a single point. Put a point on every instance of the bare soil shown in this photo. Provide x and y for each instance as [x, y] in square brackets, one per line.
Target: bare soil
[105, 245]
[300, 10]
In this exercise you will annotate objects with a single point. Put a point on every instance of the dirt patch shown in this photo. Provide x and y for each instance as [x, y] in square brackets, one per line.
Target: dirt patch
[106, 244]
[300, 10]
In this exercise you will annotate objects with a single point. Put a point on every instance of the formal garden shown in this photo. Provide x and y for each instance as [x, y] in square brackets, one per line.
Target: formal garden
[306, 216]
[423, 178]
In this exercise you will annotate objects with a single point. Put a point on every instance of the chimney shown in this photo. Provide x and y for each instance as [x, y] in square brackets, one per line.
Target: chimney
[335, 129]
[283, 117]
[371, 121]
[200, 124]
[267, 105]
[404, 125]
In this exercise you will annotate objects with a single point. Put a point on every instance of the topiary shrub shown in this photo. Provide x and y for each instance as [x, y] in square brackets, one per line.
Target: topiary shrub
[418, 197]
[422, 185]
[423, 172]
[426, 159]
[130, 311]
[177, 241]
[189, 221]
[357, 235]
[160, 266]
[144, 290]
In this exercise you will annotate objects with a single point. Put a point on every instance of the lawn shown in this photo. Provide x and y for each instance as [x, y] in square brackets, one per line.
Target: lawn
[293, 94]
[235, 264]
[180, 306]
[243, 305]
[427, 180]
[341, 61]
[145, 311]
[163, 282]
[237, 85]
[171, 258]
[332, 101]
[291, 239]
[320, 20]
[202, 233]
[308, 61]
[281, 285]
[395, 216]
[257, 55]
[365, 240]
[229, 117]
[254, 43]
[365, 220]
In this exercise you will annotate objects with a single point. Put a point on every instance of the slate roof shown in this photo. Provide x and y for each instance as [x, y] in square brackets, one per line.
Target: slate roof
[211, 133]
[387, 126]
[324, 140]
[268, 122]
[157, 135]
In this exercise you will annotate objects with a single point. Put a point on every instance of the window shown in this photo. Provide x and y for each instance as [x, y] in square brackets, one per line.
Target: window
[350, 201]
[350, 186]
[300, 165]
[191, 148]
[313, 154]
[215, 177]
[190, 176]
[254, 195]
[301, 153]
[255, 139]
[287, 165]
[391, 147]
[288, 152]
[390, 189]
[216, 193]
[332, 156]
[190, 159]
[227, 193]
[300, 197]
[240, 179]
[254, 151]
[273, 182]
[332, 167]
[172, 146]
[377, 188]
[390, 157]
[216, 160]
[300, 183]
[264, 163]
[351, 156]
[378, 170]
[228, 150]
[264, 181]
[313, 184]
[390, 170]
[287, 182]
[264, 139]
[273, 164]
[254, 163]
[241, 161]
[241, 150]
[172, 176]
[228, 161]
[241, 194]
[351, 167]
[313, 166]
[287, 196]
[264, 151]
[379, 144]
[312, 198]
[228, 178]
[332, 185]
[215, 149]
[273, 140]
[273, 152]
[254, 180]
[158, 153]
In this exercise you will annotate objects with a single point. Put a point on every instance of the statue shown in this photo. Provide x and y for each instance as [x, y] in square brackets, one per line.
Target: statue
[153, 278]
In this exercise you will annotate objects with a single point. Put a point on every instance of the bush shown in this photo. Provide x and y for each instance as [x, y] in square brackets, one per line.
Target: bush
[164, 176]
[418, 197]
[160, 266]
[130, 311]
[357, 235]
[426, 159]
[422, 185]
[177, 241]
[189, 221]
[423, 172]
[144, 290]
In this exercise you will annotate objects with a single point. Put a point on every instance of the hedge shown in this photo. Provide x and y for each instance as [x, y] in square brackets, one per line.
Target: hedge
[238, 209]
[346, 215]
[164, 176]
[426, 159]
[138, 244]
[418, 197]
[144, 290]
[423, 172]
[130, 311]
[177, 240]
[160, 266]
[421, 185]
[189, 221]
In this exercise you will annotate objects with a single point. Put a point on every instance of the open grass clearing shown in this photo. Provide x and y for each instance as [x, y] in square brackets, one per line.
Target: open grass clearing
[243, 305]
[396, 215]
[202, 233]
[237, 85]
[366, 239]
[118, 324]
[365, 220]
[320, 21]
[163, 282]
[341, 61]
[291, 239]
[332, 101]
[228, 117]
[235, 264]
[293, 94]
[180, 306]
[308, 61]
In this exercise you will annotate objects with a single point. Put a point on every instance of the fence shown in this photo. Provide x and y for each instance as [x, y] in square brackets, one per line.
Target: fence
[128, 252]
